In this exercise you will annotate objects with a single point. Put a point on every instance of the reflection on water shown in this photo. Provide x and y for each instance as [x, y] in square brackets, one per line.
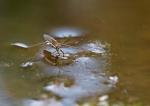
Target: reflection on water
[66, 32]
[124, 24]
[47, 102]
[87, 72]
[5, 99]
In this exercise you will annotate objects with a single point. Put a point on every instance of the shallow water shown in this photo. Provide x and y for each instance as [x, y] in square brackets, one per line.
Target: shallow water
[122, 24]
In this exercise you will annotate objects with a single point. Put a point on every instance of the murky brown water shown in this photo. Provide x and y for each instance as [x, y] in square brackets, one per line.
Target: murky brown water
[125, 25]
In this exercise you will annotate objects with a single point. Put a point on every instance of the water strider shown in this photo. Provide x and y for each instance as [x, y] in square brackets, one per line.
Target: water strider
[48, 41]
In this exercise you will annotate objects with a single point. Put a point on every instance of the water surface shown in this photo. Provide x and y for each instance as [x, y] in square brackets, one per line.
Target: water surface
[123, 24]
